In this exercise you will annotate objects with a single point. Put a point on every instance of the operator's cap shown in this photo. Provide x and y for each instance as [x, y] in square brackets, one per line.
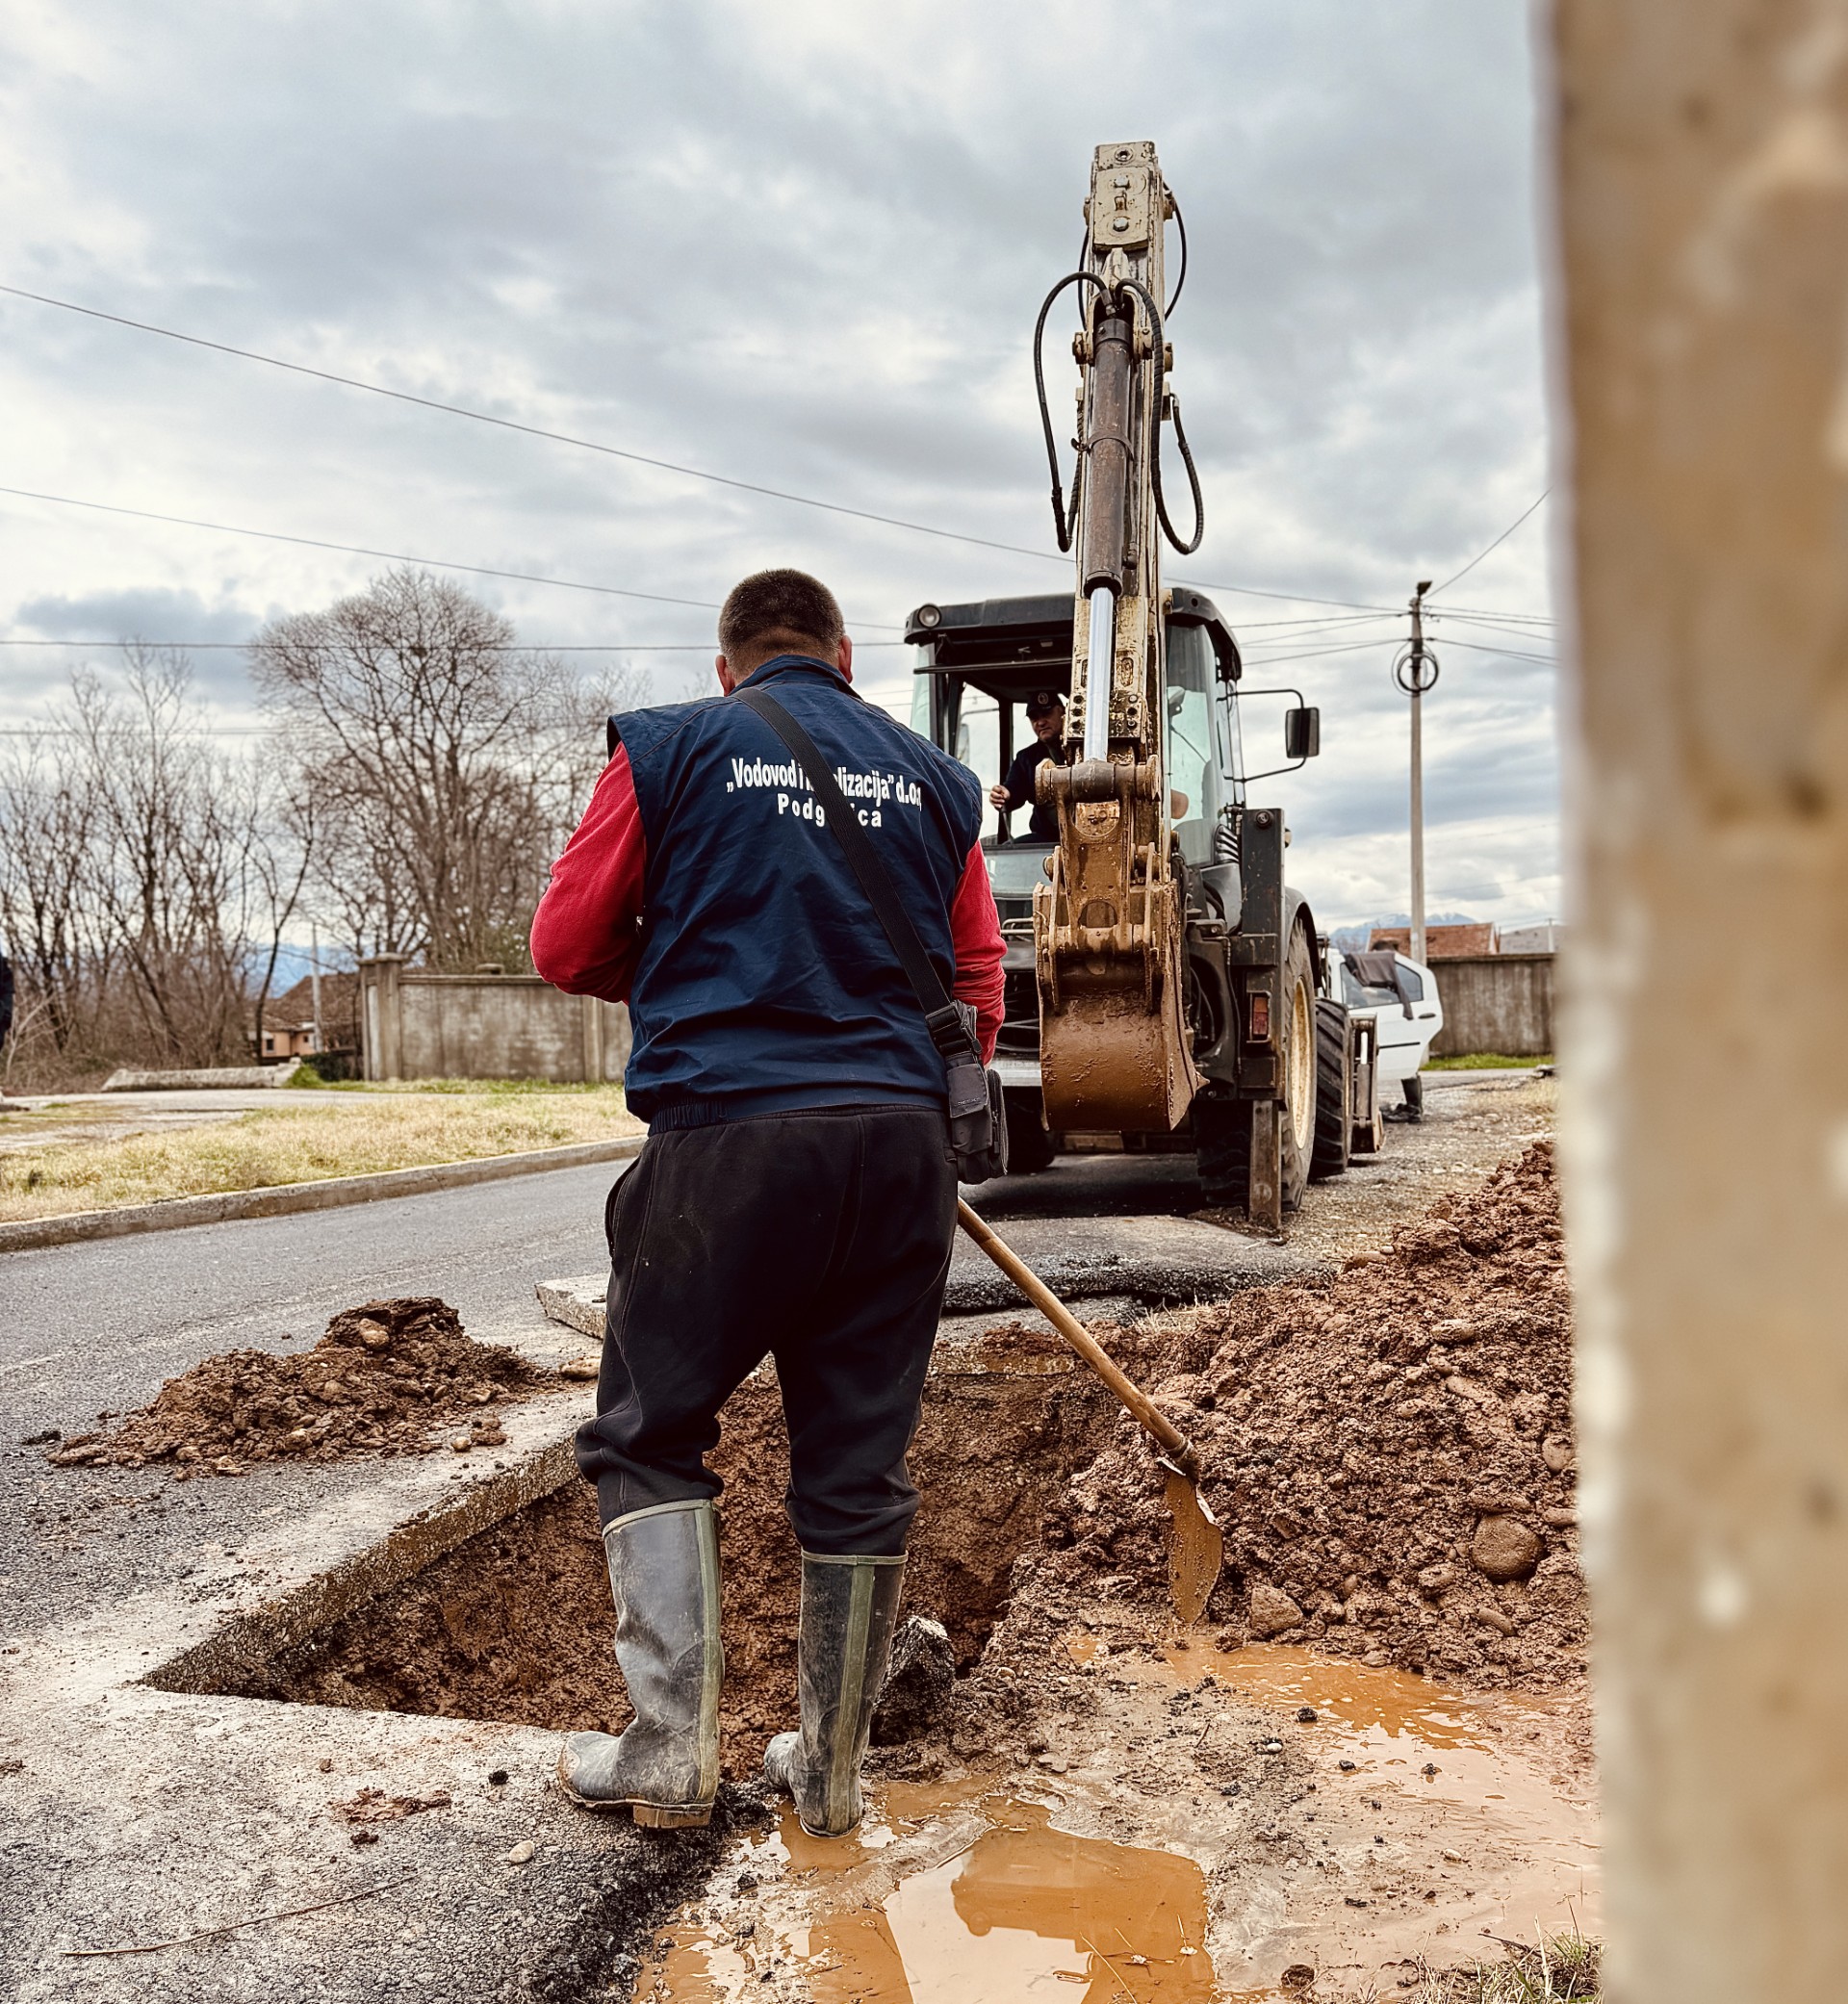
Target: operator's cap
[1043, 701]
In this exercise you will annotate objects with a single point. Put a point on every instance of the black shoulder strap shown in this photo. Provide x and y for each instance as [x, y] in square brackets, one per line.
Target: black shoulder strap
[940, 1014]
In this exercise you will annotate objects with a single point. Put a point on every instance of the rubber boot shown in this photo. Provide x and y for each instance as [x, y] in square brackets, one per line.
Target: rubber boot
[849, 1609]
[664, 1576]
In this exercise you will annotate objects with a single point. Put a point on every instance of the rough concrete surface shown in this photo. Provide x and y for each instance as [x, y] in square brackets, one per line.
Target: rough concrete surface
[132, 1814]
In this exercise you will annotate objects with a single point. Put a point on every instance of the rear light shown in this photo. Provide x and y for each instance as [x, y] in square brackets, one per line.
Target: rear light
[1260, 1030]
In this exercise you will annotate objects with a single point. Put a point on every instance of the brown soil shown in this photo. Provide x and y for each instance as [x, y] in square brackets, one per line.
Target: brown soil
[517, 1624]
[1379, 1447]
[379, 1382]
[1390, 1454]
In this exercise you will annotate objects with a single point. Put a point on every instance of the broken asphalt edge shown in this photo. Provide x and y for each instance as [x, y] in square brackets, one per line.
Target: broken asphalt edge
[328, 1194]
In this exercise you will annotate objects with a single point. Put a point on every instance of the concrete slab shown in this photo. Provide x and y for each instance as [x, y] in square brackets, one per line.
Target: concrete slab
[139, 1805]
[132, 1814]
[1134, 1264]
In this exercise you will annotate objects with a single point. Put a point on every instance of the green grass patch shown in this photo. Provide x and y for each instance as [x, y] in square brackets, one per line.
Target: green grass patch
[1485, 1060]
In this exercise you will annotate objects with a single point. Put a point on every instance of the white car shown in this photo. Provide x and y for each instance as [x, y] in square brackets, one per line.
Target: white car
[1408, 1015]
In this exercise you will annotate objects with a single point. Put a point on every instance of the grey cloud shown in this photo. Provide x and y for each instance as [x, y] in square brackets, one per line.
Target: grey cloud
[150, 612]
[807, 252]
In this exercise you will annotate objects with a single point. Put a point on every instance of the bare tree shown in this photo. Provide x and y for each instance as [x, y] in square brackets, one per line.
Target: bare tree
[444, 762]
[146, 879]
[47, 816]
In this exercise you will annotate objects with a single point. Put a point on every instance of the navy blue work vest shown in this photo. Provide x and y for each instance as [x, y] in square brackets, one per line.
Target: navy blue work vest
[765, 982]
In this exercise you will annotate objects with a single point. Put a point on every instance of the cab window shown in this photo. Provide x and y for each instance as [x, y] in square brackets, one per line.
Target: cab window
[1189, 755]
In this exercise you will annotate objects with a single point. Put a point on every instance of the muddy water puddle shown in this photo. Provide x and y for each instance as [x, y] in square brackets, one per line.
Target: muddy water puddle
[1493, 1763]
[1417, 1820]
[969, 1899]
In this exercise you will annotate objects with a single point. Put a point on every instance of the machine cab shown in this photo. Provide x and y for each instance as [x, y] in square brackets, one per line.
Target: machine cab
[977, 665]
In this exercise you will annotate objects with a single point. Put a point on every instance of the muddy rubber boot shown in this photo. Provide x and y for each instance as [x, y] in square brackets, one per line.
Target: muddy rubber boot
[664, 1576]
[849, 1609]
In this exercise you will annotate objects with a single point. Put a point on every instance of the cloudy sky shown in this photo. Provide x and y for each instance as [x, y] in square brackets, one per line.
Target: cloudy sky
[803, 246]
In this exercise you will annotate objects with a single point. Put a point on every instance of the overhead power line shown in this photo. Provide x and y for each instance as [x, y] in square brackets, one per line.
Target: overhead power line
[1496, 544]
[556, 438]
[1507, 654]
[609, 451]
[390, 556]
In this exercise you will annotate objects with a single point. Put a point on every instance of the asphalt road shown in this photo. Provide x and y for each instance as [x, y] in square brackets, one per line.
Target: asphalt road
[98, 1327]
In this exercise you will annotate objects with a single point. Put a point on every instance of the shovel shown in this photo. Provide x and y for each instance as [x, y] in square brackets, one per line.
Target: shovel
[1196, 1545]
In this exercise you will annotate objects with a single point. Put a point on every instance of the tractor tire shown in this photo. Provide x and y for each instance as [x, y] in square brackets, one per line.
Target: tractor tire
[1334, 1088]
[1299, 1069]
[1029, 1147]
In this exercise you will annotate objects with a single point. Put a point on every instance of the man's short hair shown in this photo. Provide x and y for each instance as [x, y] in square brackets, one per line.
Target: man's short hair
[779, 612]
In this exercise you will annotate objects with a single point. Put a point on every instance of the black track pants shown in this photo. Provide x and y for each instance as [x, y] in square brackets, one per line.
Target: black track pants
[822, 1238]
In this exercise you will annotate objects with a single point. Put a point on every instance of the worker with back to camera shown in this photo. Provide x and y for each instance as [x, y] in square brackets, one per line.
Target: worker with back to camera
[796, 1195]
[1046, 713]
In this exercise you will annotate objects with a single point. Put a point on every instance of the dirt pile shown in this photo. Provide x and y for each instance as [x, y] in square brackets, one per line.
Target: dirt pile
[379, 1382]
[1390, 1453]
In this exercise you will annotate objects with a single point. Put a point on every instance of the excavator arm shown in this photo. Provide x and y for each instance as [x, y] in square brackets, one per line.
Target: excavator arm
[1109, 931]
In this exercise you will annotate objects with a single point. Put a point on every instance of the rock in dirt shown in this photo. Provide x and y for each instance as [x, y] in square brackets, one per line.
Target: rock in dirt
[1349, 1458]
[916, 1696]
[377, 1382]
[1270, 1612]
[1503, 1548]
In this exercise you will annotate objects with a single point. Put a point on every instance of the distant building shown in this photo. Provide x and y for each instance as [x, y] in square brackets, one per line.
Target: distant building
[1470, 942]
[1531, 938]
[1442, 942]
[288, 1019]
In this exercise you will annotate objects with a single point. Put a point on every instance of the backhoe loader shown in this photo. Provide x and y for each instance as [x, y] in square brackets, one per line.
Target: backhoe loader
[1163, 982]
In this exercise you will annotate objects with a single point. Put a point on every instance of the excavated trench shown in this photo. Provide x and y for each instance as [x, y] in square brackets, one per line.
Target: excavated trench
[515, 1622]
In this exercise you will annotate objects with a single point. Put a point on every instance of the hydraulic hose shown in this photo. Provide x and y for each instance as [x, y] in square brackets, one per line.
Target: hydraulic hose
[1160, 333]
[1062, 521]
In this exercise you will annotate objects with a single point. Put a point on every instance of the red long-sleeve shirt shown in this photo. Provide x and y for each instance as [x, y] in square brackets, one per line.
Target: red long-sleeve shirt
[587, 933]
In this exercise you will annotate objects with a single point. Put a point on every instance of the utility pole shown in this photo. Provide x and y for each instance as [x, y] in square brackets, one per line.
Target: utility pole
[314, 979]
[1414, 671]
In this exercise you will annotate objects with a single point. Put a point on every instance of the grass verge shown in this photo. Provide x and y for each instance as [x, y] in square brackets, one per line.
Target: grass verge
[306, 1080]
[1485, 1061]
[1562, 1969]
[340, 1137]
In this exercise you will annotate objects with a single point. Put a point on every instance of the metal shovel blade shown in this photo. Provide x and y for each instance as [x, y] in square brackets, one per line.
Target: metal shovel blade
[1196, 1547]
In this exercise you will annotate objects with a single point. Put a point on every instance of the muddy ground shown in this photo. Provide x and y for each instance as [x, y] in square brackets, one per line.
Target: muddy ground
[1108, 1804]
[1374, 1749]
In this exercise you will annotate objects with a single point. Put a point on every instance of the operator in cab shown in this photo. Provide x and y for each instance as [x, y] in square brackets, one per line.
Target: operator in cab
[796, 1195]
[1046, 713]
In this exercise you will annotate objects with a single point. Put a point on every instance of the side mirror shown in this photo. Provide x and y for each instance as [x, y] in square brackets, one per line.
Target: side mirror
[1301, 733]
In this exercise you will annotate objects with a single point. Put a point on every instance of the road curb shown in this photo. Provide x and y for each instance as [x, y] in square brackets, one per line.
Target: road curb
[330, 1193]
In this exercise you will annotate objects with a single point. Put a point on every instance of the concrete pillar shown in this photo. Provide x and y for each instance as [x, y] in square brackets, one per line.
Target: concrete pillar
[381, 1015]
[1703, 343]
[591, 1017]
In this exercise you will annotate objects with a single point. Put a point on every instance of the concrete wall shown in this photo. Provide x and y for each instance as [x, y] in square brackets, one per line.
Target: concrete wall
[415, 1026]
[1702, 151]
[1496, 1002]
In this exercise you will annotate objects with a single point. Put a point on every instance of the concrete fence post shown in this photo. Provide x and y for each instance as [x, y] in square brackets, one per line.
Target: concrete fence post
[1701, 155]
[591, 1015]
[381, 1015]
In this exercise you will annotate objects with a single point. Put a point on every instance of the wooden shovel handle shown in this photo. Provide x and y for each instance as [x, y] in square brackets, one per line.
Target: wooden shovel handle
[1134, 1397]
